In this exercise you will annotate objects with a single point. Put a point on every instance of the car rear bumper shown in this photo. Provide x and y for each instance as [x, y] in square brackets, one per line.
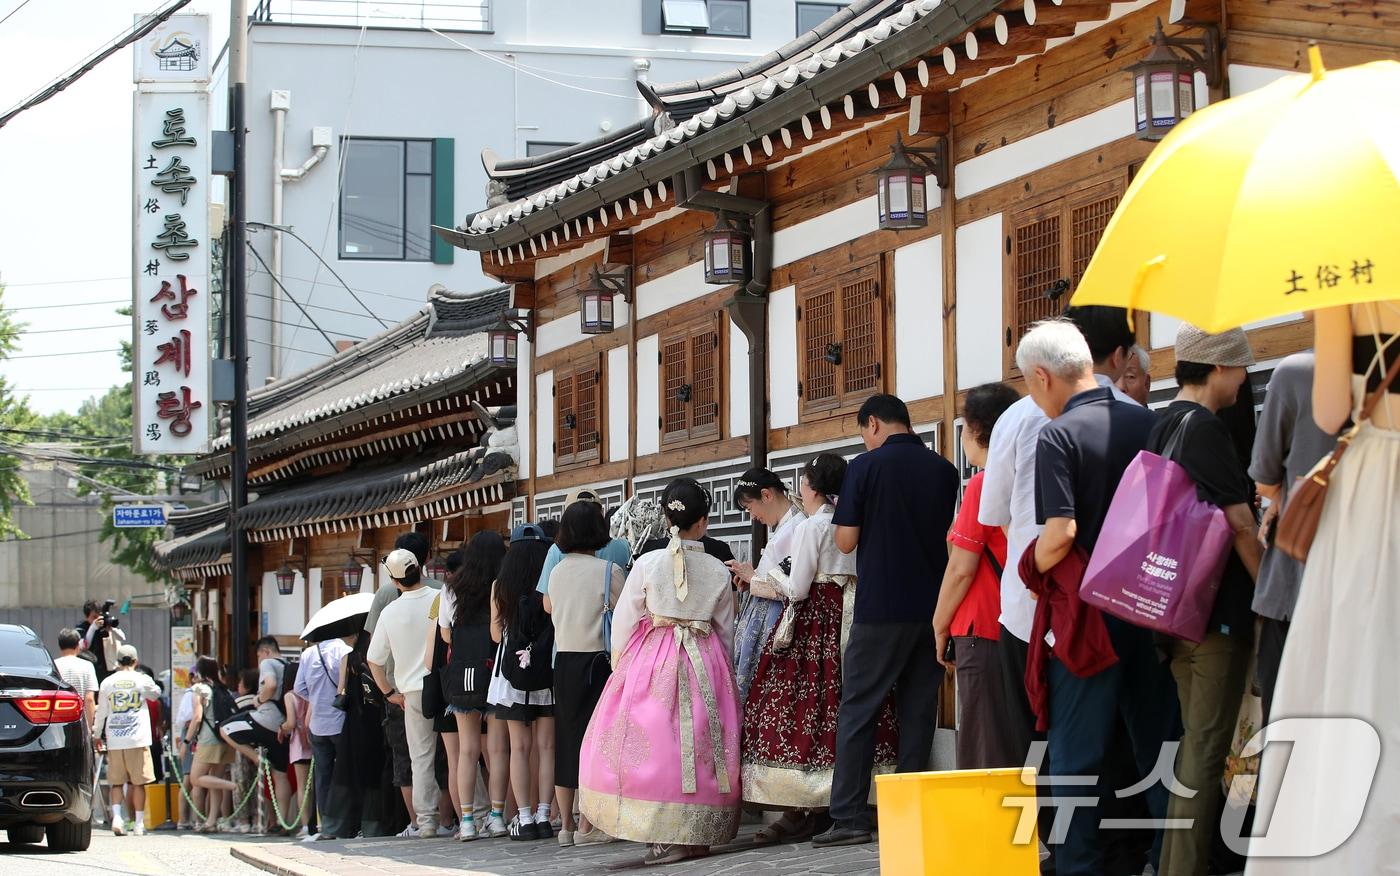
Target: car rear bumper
[47, 780]
[44, 802]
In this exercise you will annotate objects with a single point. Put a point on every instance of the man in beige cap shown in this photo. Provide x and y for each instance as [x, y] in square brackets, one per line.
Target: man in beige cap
[618, 551]
[1210, 676]
[123, 724]
[401, 633]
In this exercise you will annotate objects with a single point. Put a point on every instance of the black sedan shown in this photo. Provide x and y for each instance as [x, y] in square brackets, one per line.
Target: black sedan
[46, 759]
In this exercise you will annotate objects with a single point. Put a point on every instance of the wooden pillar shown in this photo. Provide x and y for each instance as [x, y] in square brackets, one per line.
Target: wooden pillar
[949, 234]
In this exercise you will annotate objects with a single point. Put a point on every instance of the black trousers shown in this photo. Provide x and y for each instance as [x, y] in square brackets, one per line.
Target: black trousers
[1273, 634]
[880, 658]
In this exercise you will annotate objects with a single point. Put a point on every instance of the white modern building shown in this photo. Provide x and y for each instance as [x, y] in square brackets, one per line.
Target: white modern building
[370, 121]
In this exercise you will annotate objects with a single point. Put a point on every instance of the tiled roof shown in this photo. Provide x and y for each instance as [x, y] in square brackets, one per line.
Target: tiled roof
[205, 550]
[865, 30]
[404, 492]
[443, 341]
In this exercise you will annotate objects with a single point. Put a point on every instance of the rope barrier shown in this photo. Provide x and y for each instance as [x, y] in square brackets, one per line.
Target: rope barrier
[260, 768]
[266, 771]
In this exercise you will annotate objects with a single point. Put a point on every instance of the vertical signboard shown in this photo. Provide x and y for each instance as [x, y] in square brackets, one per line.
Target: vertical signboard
[170, 260]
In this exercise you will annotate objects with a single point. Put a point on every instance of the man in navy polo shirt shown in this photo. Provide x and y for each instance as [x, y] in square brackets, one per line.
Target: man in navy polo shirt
[897, 504]
[1079, 459]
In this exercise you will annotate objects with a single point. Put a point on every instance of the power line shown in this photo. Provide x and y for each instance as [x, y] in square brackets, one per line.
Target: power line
[13, 11]
[7, 308]
[60, 434]
[62, 389]
[289, 295]
[139, 30]
[63, 282]
[289, 349]
[527, 71]
[54, 535]
[70, 353]
[312, 250]
[86, 328]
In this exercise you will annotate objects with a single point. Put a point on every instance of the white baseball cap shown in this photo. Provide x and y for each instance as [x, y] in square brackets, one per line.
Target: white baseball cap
[399, 562]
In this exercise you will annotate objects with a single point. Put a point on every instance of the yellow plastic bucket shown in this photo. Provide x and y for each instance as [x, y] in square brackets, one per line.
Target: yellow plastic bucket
[156, 803]
[962, 821]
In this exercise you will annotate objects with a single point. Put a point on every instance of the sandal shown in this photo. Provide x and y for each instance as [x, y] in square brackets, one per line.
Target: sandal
[786, 829]
[665, 854]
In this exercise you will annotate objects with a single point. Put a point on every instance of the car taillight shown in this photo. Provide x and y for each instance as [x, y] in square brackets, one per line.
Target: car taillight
[56, 707]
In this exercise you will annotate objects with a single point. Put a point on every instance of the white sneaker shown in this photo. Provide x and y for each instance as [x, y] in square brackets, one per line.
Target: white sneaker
[444, 831]
[311, 838]
[303, 833]
[407, 833]
[566, 838]
[138, 830]
[467, 831]
[430, 832]
[118, 828]
[594, 837]
[496, 826]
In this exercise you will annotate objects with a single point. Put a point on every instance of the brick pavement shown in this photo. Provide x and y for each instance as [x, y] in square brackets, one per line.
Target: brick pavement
[442, 857]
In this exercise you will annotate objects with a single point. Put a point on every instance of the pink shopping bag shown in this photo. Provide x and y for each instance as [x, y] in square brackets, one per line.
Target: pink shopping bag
[1161, 553]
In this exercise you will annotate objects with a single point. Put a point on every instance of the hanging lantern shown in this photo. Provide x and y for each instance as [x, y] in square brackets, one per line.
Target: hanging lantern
[179, 613]
[595, 310]
[436, 570]
[727, 258]
[1164, 89]
[1164, 82]
[286, 579]
[900, 189]
[502, 341]
[350, 576]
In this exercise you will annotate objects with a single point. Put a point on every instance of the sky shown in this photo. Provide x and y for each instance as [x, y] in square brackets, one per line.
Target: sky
[65, 194]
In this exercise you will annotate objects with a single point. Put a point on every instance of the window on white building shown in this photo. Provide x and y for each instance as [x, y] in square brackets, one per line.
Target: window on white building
[685, 16]
[729, 18]
[809, 15]
[386, 200]
[544, 147]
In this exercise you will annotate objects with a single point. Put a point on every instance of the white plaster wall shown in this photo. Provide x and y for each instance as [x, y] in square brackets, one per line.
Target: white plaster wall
[825, 231]
[738, 382]
[1245, 78]
[671, 290]
[648, 395]
[563, 332]
[918, 321]
[782, 357]
[979, 316]
[524, 392]
[285, 615]
[618, 408]
[544, 435]
[1060, 142]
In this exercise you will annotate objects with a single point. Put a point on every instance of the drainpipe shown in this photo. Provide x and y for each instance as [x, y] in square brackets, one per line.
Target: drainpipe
[748, 309]
[281, 102]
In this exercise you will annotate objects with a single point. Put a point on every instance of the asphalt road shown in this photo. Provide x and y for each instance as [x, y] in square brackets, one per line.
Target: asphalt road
[155, 854]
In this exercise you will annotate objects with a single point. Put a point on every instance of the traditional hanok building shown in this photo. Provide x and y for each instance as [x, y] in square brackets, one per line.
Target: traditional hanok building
[410, 429]
[727, 281]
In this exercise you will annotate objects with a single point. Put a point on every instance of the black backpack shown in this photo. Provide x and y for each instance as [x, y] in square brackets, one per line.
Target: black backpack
[531, 631]
[289, 682]
[222, 703]
[471, 657]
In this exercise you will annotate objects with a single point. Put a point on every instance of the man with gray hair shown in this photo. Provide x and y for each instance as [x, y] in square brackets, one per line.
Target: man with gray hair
[1136, 381]
[1080, 458]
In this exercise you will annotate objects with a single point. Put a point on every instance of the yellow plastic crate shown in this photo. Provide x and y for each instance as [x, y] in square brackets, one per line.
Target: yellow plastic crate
[961, 821]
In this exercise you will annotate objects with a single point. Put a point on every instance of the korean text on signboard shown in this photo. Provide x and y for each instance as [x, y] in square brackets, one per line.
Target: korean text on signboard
[171, 302]
[133, 516]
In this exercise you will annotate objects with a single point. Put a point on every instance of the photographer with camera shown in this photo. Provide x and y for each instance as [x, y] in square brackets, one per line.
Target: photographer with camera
[101, 635]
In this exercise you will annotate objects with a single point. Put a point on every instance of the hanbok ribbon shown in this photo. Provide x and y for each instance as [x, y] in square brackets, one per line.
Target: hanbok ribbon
[686, 631]
[677, 549]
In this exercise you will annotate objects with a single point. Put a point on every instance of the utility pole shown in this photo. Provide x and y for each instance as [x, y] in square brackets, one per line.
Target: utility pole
[238, 329]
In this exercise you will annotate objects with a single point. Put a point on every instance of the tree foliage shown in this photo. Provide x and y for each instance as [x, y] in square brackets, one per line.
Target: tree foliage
[14, 414]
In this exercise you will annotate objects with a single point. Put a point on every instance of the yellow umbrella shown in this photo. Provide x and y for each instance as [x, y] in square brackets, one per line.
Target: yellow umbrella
[1281, 200]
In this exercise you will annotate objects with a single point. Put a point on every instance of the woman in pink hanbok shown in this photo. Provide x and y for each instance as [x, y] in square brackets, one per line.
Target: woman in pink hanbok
[660, 760]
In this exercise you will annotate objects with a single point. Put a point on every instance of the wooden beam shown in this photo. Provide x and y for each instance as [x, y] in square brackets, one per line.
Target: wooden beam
[948, 245]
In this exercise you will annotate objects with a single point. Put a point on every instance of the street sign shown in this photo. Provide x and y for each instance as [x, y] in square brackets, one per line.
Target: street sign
[135, 516]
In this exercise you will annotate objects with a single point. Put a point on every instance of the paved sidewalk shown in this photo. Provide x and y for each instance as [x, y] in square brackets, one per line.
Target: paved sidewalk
[441, 857]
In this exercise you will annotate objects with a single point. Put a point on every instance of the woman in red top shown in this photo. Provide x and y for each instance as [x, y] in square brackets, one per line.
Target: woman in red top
[969, 601]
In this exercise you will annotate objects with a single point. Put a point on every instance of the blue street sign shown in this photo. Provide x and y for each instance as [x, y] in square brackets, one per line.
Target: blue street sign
[135, 516]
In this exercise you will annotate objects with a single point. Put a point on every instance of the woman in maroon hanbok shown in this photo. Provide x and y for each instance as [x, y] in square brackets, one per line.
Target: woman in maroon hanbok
[789, 739]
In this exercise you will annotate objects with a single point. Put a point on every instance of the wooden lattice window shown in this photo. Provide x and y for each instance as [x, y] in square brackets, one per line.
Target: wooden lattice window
[690, 383]
[578, 413]
[841, 323]
[1048, 248]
